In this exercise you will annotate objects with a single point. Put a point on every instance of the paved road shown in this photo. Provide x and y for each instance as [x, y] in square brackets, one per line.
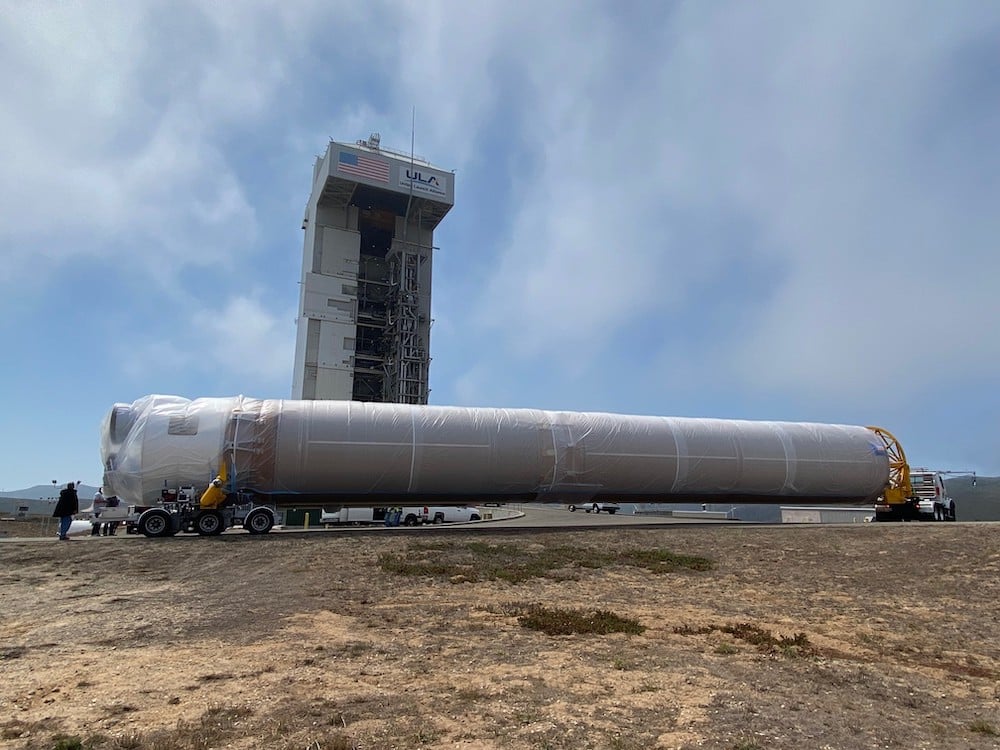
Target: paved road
[509, 518]
[557, 516]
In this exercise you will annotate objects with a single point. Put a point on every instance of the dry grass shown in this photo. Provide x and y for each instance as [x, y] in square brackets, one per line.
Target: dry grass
[483, 561]
[680, 638]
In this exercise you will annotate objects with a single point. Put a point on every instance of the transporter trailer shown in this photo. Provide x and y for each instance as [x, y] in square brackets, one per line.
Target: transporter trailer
[208, 515]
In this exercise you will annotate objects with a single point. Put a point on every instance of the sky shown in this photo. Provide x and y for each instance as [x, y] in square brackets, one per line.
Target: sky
[768, 210]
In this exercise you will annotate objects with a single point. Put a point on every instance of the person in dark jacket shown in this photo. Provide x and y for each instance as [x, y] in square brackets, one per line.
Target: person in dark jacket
[68, 504]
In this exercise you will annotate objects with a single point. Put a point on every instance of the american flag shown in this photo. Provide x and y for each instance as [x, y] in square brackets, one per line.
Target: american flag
[362, 166]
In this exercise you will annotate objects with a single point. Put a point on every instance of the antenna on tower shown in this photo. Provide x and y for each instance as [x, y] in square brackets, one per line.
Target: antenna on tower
[410, 171]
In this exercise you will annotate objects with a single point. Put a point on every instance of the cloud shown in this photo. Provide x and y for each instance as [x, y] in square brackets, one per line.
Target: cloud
[788, 142]
[247, 338]
[242, 341]
[115, 130]
[751, 205]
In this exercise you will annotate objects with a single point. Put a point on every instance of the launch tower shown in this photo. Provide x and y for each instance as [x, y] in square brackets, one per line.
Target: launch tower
[365, 299]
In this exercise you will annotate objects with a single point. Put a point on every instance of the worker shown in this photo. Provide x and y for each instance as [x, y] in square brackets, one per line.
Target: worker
[66, 507]
[95, 512]
[110, 527]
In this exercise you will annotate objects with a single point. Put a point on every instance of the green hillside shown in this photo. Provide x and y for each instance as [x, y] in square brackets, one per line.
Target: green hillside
[979, 503]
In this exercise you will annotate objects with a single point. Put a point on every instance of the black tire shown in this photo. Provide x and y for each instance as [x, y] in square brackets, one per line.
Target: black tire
[410, 520]
[475, 517]
[611, 511]
[155, 524]
[209, 523]
[258, 521]
[439, 518]
[572, 508]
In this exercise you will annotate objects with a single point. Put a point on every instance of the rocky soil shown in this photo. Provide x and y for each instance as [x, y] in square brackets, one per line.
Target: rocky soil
[789, 637]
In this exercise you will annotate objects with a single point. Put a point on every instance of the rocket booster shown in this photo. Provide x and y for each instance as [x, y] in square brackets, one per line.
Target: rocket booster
[354, 453]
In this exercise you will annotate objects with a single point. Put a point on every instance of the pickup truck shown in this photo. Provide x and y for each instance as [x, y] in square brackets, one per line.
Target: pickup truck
[610, 508]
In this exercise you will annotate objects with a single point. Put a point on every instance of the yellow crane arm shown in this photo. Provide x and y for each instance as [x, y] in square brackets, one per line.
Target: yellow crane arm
[215, 495]
[899, 490]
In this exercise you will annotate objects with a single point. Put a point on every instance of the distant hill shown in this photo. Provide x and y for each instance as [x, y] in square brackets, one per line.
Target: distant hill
[979, 503]
[46, 491]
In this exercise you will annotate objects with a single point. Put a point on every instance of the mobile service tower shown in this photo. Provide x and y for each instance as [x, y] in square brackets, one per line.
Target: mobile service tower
[365, 301]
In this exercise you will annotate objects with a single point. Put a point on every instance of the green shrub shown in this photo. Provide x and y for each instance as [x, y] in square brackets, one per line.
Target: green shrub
[982, 726]
[574, 621]
[482, 561]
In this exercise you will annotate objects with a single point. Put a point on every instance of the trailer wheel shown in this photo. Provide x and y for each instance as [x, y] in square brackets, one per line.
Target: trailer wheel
[572, 508]
[259, 521]
[155, 523]
[209, 523]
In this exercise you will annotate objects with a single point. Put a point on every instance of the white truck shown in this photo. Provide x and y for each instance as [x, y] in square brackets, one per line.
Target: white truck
[928, 500]
[933, 501]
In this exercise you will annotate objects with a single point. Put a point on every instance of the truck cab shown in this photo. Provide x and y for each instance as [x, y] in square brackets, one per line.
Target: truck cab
[932, 496]
[929, 500]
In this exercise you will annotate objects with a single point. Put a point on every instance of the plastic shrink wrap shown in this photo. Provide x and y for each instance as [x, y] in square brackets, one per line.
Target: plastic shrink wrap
[355, 453]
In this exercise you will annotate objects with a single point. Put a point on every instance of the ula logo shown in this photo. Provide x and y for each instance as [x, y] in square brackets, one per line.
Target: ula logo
[431, 180]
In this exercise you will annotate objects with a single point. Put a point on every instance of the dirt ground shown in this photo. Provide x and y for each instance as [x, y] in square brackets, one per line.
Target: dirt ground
[868, 636]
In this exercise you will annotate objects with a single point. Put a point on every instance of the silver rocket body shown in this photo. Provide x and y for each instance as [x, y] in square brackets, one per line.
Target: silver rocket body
[354, 453]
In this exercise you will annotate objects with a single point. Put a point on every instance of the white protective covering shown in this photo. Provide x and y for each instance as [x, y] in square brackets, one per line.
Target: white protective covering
[366, 453]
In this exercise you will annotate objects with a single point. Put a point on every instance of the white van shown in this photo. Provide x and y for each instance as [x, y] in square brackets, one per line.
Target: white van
[449, 514]
[352, 515]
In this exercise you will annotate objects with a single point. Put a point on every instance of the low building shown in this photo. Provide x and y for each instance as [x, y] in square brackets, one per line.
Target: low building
[16, 507]
[792, 514]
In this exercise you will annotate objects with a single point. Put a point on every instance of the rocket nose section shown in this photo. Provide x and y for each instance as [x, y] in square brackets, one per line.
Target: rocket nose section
[119, 421]
[115, 429]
